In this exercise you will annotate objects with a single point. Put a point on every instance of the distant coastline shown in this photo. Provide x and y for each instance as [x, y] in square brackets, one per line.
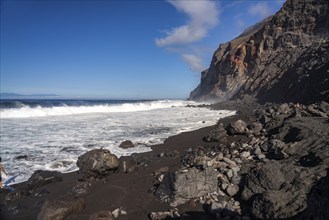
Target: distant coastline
[29, 96]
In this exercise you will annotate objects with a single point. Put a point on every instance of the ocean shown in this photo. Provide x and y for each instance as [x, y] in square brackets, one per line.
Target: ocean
[52, 134]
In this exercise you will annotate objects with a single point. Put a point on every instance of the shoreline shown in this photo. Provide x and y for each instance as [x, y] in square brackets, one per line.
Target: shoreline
[151, 146]
[179, 143]
[68, 142]
[263, 153]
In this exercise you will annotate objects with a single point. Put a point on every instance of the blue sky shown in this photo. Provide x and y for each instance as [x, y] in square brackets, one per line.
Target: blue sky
[117, 49]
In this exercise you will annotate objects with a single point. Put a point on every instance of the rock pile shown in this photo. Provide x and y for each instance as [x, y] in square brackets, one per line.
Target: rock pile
[271, 170]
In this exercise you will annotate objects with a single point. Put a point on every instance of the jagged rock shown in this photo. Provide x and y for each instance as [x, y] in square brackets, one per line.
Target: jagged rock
[284, 109]
[324, 107]
[245, 154]
[232, 190]
[315, 112]
[178, 188]
[60, 208]
[21, 157]
[126, 144]
[216, 207]
[283, 58]
[203, 161]
[217, 134]
[264, 119]
[263, 178]
[18, 193]
[318, 200]
[256, 151]
[81, 188]
[98, 162]
[255, 127]
[276, 149]
[172, 213]
[43, 177]
[117, 212]
[276, 122]
[237, 127]
[277, 205]
[127, 164]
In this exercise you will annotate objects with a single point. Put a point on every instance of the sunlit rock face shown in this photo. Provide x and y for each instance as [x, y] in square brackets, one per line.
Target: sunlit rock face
[283, 58]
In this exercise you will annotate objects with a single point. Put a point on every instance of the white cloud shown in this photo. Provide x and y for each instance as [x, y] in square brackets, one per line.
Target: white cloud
[194, 62]
[203, 15]
[260, 9]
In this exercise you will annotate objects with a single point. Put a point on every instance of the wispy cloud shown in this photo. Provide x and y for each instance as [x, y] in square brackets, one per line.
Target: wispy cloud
[260, 9]
[203, 15]
[194, 61]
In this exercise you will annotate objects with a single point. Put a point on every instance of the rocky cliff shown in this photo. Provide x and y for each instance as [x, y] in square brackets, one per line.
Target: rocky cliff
[283, 58]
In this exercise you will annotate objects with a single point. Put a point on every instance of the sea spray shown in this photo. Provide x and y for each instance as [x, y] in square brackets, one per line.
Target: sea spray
[54, 137]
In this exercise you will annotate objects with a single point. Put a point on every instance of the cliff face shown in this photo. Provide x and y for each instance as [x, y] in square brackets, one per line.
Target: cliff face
[283, 58]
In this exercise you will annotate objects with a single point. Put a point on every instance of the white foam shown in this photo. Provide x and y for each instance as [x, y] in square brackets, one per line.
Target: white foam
[55, 142]
[27, 112]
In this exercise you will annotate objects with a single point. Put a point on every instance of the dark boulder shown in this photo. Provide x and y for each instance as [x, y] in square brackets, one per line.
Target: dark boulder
[216, 134]
[127, 164]
[276, 149]
[21, 157]
[263, 178]
[180, 187]
[61, 207]
[284, 109]
[237, 127]
[126, 144]
[81, 188]
[316, 112]
[255, 128]
[97, 163]
[318, 200]
[324, 107]
[43, 177]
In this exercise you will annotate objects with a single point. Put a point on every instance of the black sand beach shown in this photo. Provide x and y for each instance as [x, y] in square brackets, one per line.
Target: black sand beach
[131, 191]
[281, 152]
[270, 161]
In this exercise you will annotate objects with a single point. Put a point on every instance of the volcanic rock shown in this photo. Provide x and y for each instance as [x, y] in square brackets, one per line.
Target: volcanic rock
[237, 127]
[283, 58]
[179, 188]
[43, 177]
[262, 178]
[217, 134]
[127, 164]
[60, 208]
[97, 163]
[232, 190]
[21, 157]
[255, 128]
[126, 144]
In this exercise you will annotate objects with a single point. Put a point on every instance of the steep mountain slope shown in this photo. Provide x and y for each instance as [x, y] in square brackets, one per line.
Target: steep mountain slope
[284, 58]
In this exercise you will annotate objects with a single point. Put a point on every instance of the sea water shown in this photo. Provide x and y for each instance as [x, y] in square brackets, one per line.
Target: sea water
[54, 133]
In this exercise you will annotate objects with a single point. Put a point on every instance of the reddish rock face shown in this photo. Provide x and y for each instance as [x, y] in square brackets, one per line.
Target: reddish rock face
[273, 58]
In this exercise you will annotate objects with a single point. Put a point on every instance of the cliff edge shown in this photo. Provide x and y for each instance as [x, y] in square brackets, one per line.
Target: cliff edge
[283, 58]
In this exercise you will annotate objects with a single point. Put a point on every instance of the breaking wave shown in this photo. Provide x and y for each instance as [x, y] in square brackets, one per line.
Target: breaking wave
[27, 110]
